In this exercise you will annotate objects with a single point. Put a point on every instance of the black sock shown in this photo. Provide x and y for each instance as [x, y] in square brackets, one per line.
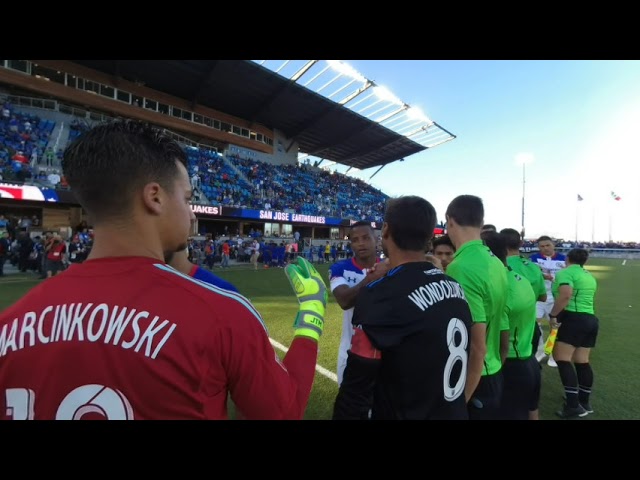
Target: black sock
[570, 381]
[585, 381]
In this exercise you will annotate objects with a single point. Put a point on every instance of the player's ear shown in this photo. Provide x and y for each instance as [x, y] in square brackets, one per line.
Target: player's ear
[385, 230]
[449, 221]
[153, 198]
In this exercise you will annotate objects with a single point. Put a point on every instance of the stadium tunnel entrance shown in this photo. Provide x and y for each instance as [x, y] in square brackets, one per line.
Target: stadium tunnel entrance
[44, 216]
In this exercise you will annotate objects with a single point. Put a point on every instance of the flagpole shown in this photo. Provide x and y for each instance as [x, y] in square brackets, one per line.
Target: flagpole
[593, 224]
[523, 159]
[616, 198]
[610, 214]
[523, 183]
[577, 206]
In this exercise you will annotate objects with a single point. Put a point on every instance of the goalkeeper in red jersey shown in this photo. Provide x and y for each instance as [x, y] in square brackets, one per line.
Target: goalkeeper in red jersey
[125, 336]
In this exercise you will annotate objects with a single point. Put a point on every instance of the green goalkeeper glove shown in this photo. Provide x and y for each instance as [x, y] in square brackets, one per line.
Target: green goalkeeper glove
[312, 294]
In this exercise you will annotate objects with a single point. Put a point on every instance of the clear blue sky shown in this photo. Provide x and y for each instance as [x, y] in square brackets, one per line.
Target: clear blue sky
[579, 119]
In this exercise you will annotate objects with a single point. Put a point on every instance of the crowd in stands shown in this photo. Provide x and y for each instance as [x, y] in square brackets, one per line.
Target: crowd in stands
[232, 181]
[76, 128]
[217, 180]
[310, 190]
[300, 188]
[240, 182]
[25, 154]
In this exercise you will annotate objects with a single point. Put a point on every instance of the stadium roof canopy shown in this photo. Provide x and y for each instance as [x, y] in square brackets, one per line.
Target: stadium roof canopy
[332, 111]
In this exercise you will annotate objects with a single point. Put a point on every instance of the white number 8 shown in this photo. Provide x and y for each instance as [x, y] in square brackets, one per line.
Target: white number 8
[110, 403]
[457, 353]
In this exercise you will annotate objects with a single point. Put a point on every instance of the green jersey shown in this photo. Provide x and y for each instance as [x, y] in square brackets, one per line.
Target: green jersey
[521, 311]
[484, 281]
[584, 287]
[530, 271]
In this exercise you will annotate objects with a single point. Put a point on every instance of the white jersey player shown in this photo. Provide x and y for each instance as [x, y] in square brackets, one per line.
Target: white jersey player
[550, 262]
[346, 277]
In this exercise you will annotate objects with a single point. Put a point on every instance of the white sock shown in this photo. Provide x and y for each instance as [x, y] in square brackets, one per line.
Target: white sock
[540, 352]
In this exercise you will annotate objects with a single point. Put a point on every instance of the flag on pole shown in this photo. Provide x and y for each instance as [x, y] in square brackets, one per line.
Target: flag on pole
[580, 198]
[615, 197]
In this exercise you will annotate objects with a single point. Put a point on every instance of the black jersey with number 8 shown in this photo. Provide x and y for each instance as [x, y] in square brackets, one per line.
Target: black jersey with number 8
[410, 350]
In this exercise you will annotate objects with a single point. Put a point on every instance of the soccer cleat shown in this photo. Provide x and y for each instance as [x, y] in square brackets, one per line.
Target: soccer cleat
[587, 407]
[572, 412]
[551, 362]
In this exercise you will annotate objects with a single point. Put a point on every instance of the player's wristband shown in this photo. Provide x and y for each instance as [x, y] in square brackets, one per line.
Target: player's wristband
[308, 333]
[310, 320]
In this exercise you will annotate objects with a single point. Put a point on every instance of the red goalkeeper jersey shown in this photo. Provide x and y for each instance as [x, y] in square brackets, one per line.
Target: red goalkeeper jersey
[132, 338]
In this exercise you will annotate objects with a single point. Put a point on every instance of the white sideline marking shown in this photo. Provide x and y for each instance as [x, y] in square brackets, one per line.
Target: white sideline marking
[321, 370]
[623, 262]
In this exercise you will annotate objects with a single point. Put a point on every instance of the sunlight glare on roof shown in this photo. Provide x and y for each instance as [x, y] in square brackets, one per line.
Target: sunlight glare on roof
[346, 69]
[383, 93]
[417, 114]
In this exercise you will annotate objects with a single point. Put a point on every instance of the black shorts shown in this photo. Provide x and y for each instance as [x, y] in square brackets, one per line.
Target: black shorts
[578, 329]
[53, 266]
[485, 401]
[521, 392]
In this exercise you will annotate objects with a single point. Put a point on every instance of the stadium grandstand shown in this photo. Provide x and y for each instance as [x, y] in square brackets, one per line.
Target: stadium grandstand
[260, 136]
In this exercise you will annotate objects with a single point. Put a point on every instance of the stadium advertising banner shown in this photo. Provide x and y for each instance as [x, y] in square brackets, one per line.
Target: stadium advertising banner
[210, 210]
[267, 215]
[27, 192]
[278, 216]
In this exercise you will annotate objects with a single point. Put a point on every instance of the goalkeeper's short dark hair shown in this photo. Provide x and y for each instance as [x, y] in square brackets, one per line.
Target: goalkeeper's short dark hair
[106, 164]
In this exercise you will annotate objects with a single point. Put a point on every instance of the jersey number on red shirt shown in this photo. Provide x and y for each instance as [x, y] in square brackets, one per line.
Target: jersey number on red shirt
[87, 400]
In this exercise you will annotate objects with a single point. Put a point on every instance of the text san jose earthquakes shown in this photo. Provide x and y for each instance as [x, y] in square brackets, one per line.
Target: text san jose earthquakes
[120, 326]
[291, 217]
